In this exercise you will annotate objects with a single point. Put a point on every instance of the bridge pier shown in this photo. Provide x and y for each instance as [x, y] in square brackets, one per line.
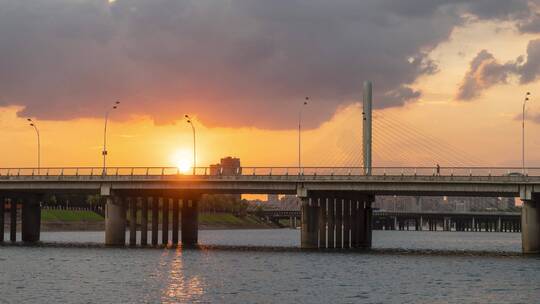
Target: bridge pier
[155, 220]
[347, 223]
[115, 222]
[2, 211]
[164, 221]
[132, 221]
[175, 222]
[322, 221]
[530, 225]
[339, 222]
[31, 219]
[13, 220]
[144, 220]
[190, 220]
[336, 222]
[309, 233]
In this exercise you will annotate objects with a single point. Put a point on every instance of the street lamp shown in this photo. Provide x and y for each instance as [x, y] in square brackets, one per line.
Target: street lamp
[190, 121]
[34, 125]
[523, 132]
[104, 152]
[300, 135]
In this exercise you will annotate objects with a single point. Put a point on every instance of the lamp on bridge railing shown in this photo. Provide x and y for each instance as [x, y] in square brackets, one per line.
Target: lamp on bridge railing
[190, 121]
[34, 125]
[300, 135]
[104, 152]
[523, 132]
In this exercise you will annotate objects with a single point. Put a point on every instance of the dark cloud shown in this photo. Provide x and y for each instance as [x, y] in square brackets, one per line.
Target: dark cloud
[231, 63]
[499, 9]
[485, 71]
[529, 70]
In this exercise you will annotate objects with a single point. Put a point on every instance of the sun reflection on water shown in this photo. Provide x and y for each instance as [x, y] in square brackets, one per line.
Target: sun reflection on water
[181, 287]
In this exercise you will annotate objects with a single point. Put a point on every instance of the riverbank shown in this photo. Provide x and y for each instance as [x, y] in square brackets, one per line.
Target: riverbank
[83, 220]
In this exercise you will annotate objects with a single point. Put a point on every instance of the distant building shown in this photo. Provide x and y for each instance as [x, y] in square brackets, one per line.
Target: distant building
[227, 166]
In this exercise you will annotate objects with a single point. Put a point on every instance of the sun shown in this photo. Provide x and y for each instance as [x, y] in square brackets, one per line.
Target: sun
[183, 165]
[182, 160]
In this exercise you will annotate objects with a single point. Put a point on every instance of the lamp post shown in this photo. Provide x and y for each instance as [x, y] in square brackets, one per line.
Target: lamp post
[190, 121]
[300, 135]
[34, 125]
[523, 132]
[104, 152]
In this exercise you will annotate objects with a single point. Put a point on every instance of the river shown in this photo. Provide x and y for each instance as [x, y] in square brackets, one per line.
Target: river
[265, 266]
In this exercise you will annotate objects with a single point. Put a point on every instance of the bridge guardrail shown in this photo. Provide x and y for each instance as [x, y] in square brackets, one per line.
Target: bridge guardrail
[29, 172]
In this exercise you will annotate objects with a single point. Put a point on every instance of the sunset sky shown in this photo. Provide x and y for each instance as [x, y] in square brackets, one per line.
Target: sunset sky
[456, 73]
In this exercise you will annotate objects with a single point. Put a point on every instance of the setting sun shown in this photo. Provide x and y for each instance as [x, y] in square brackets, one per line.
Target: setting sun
[182, 160]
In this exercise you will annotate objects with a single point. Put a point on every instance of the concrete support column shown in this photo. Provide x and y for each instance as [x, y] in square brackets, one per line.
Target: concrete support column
[175, 218]
[190, 221]
[499, 224]
[354, 223]
[164, 221]
[155, 220]
[115, 222]
[2, 208]
[307, 237]
[347, 223]
[331, 222]
[361, 217]
[13, 220]
[132, 221]
[31, 219]
[421, 223]
[339, 223]
[530, 226]
[322, 222]
[369, 221]
[144, 220]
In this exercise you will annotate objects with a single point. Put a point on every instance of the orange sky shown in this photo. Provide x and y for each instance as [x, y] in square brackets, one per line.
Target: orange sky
[485, 127]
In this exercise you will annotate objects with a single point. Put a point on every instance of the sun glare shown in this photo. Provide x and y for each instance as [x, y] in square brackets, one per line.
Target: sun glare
[182, 160]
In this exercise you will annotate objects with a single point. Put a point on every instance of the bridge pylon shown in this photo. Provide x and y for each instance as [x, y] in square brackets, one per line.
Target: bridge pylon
[367, 126]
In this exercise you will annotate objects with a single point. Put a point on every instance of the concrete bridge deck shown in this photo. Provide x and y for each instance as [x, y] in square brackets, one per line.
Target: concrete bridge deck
[409, 181]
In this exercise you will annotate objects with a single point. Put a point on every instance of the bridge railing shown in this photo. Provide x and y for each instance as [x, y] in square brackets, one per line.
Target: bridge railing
[270, 171]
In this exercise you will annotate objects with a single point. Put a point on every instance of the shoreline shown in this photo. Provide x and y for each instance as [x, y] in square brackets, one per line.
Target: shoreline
[83, 221]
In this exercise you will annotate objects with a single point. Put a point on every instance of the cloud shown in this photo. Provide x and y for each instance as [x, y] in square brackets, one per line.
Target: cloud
[230, 63]
[485, 71]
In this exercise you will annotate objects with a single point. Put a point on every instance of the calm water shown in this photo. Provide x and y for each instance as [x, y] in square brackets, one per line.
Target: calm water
[254, 274]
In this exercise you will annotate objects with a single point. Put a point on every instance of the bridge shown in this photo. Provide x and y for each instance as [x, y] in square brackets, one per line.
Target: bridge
[336, 201]
[418, 221]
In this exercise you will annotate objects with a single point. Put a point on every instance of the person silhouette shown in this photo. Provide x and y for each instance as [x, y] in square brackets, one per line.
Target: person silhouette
[438, 170]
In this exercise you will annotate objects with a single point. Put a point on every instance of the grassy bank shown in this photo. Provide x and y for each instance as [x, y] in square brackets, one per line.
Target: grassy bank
[48, 215]
[71, 218]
